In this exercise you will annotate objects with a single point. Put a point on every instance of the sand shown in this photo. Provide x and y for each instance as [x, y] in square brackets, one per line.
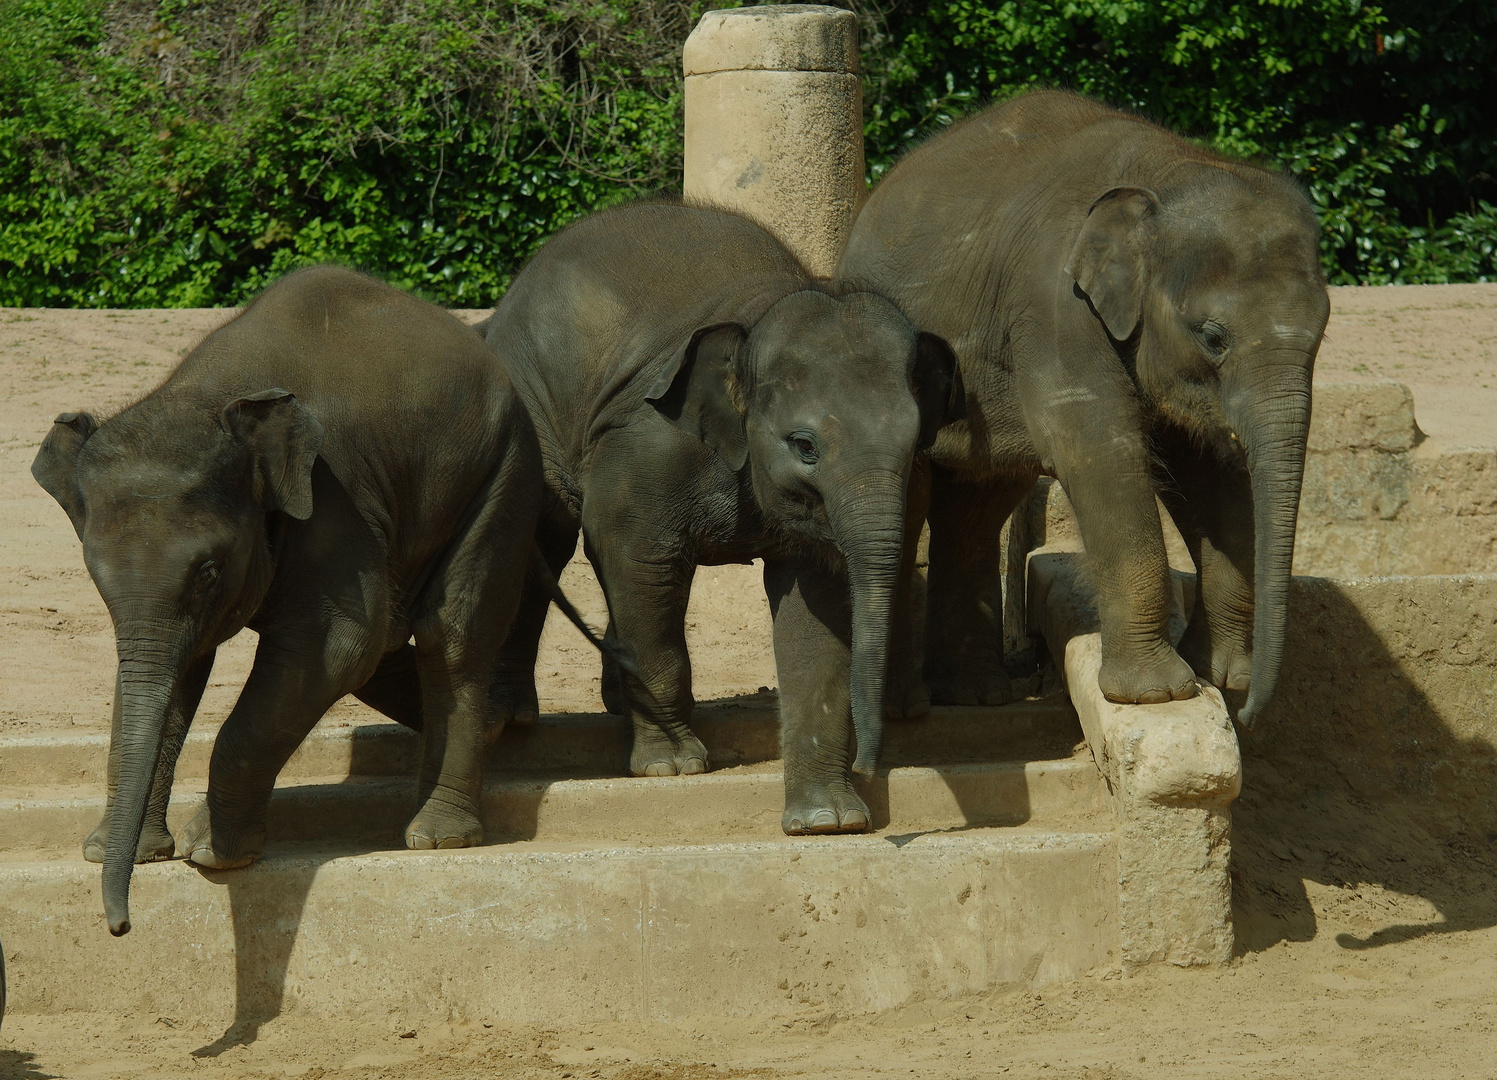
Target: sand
[1366, 935]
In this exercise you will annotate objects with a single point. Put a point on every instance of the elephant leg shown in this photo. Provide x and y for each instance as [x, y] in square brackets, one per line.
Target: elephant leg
[156, 841]
[1098, 444]
[812, 613]
[612, 682]
[512, 696]
[1212, 504]
[964, 599]
[293, 682]
[647, 592]
[465, 616]
[395, 688]
[906, 695]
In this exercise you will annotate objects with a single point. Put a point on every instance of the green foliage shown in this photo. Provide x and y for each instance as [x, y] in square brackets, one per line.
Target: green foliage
[1378, 108]
[171, 152]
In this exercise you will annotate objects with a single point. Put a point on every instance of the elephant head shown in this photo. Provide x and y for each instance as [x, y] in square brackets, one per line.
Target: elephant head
[171, 510]
[826, 399]
[1212, 290]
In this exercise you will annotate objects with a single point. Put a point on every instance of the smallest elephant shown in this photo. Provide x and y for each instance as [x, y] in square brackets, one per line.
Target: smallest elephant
[343, 469]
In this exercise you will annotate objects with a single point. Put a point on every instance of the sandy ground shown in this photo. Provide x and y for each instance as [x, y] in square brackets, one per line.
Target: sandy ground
[1367, 943]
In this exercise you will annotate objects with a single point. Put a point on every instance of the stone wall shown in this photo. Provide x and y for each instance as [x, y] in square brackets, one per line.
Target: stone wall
[1380, 498]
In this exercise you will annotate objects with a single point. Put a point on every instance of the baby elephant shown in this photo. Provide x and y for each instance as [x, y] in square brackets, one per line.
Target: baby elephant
[699, 399]
[341, 468]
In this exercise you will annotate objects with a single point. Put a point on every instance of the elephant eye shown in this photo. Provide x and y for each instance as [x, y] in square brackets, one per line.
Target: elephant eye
[207, 574]
[805, 447]
[1214, 338]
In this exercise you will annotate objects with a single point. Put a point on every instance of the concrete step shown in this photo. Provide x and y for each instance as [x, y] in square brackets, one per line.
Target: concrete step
[738, 731]
[743, 803]
[554, 933]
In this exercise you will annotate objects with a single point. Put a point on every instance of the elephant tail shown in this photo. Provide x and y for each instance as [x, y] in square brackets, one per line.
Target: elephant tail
[609, 647]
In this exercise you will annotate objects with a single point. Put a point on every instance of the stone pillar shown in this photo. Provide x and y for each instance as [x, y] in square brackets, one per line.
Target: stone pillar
[774, 123]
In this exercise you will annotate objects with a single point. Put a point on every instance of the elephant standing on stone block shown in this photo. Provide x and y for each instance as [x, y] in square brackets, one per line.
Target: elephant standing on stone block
[700, 400]
[342, 468]
[1131, 313]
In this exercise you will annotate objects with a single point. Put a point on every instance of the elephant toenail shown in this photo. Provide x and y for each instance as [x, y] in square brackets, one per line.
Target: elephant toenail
[660, 768]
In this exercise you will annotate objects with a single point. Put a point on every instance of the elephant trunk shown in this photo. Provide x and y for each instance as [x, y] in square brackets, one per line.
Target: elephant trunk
[869, 524]
[1273, 425]
[148, 673]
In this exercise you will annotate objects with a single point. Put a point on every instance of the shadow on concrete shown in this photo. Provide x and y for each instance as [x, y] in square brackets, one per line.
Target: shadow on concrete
[266, 904]
[1375, 765]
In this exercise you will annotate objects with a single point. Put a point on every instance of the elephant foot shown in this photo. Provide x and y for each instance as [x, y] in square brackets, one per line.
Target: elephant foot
[440, 824]
[1162, 678]
[196, 845]
[990, 687]
[513, 702]
[906, 703]
[834, 809]
[1228, 664]
[156, 844]
[658, 753]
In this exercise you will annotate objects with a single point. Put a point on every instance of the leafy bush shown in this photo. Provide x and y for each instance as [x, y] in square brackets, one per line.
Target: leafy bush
[1379, 109]
[178, 153]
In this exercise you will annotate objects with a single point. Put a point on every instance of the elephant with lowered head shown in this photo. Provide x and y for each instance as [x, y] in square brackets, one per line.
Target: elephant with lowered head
[1132, 314]
[341, 468]
[700, 400]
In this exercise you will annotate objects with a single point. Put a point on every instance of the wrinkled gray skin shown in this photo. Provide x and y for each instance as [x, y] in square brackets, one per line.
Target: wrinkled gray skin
[1131, 314]
[699, 402]
[340, 468]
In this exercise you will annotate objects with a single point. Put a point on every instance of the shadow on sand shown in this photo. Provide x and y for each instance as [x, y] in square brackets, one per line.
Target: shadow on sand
[1376, 764]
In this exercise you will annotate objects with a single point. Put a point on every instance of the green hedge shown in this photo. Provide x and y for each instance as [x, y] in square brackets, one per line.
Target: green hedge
[180, 154]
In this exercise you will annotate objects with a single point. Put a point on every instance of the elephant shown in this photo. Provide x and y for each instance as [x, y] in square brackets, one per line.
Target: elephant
[1132, 314]
[701, 400]
[342, 468]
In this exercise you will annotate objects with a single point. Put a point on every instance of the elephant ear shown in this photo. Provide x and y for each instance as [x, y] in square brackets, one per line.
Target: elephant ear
[938, 387]
[1107, 262]
[283, 440]
[56, 464]
[696, 391]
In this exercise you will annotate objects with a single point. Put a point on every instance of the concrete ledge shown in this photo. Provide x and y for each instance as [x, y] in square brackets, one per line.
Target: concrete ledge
[736, 732]
[714, 806]
[532, 934]
[1173, 769]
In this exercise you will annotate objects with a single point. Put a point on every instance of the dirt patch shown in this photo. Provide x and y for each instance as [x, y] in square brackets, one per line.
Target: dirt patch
[1366, 930]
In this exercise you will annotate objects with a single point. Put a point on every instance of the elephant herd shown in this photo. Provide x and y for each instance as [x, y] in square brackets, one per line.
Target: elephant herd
[387, 497]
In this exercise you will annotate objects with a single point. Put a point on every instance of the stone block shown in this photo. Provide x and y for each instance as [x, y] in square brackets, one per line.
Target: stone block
[1363, 416]
[1173, 770]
